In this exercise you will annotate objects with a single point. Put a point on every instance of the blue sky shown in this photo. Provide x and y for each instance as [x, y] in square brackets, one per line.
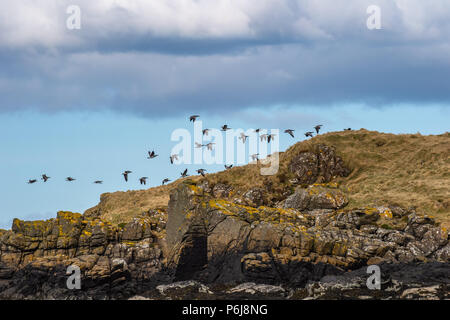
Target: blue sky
[89, 103]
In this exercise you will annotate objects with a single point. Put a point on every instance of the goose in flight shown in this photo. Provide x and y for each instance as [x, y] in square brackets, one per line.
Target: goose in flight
[45, 177]
[228, 167]
[309, 134]
[257, 130]
[165, 181]
[209, 146]
[98, 181]
[205, 131]
[125, 174]
[193, 118]
[173, 157]
[70, 179]
[201, 171]
[184, 173]
[263, 136]
[318, 128]
[290, 132]
[152, 155]
[255, 156]
[243, 137]
[31, 181]
[143, 180]
[225, 127]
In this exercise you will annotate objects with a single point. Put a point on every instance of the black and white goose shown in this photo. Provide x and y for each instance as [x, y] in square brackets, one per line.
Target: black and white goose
[193, 118]
[318, 128]
[125, 174]
[173, 158]
[201, 171]
[243, 137]
[290, 132]
[151, 155]
[209, 146]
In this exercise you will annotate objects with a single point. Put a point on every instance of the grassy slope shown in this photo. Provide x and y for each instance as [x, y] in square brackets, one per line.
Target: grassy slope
[408, 170]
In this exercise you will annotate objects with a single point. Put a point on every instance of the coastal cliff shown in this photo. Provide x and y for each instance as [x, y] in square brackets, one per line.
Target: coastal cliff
[297, 239]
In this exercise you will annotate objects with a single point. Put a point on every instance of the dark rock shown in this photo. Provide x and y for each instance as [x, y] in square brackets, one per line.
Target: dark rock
[316, 197]
[319, 165]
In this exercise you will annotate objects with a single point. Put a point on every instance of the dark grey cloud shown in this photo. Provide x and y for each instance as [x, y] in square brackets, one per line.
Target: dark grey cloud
[157, 60]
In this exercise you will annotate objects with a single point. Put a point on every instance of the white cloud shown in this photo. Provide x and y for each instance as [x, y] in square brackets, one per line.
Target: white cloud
[42, 22]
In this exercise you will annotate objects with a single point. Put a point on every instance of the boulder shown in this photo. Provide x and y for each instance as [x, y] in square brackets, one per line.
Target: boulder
[321, 165]
[316, 197]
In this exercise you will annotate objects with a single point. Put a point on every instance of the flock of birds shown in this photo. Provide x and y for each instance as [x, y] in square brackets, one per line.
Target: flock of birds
[152, 154]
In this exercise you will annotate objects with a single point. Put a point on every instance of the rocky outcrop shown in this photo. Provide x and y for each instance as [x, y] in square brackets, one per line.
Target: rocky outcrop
[320, 165]
[218, 242]
[114, 261]
[316, 197]
[221, 241]
[215, 241]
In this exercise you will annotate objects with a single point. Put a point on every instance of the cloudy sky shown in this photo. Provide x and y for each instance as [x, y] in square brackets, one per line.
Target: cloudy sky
[90, 102]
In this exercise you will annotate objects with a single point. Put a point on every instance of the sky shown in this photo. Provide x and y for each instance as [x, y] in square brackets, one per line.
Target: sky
[90, 102]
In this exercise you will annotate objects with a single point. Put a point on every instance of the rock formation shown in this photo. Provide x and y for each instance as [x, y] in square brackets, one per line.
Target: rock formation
[207, 246]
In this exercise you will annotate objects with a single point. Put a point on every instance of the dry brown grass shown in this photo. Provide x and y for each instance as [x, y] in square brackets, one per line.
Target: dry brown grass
[408, 170]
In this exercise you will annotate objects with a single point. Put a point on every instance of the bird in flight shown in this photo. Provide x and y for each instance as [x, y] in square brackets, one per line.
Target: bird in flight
[228, 167]
[125, 174]
[263, 136]
[309, 134]
[193, 118]
[255, 156]
[70, 179]
[257, 130]
[225, 127]
[243, 137]
[143, 180]
[198, 145]
[45, 178]
[290, 132]
[270, 137]
[348, 129]
[173, 157]
[184, 173]
[201, 171]
[152, 155]
[209, 146]
[205, 131]
[31, 181]
[318, 128]
[98, 181]
[165, 181]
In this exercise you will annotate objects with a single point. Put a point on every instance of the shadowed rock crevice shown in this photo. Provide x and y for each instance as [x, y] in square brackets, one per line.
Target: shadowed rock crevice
[193, 256]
